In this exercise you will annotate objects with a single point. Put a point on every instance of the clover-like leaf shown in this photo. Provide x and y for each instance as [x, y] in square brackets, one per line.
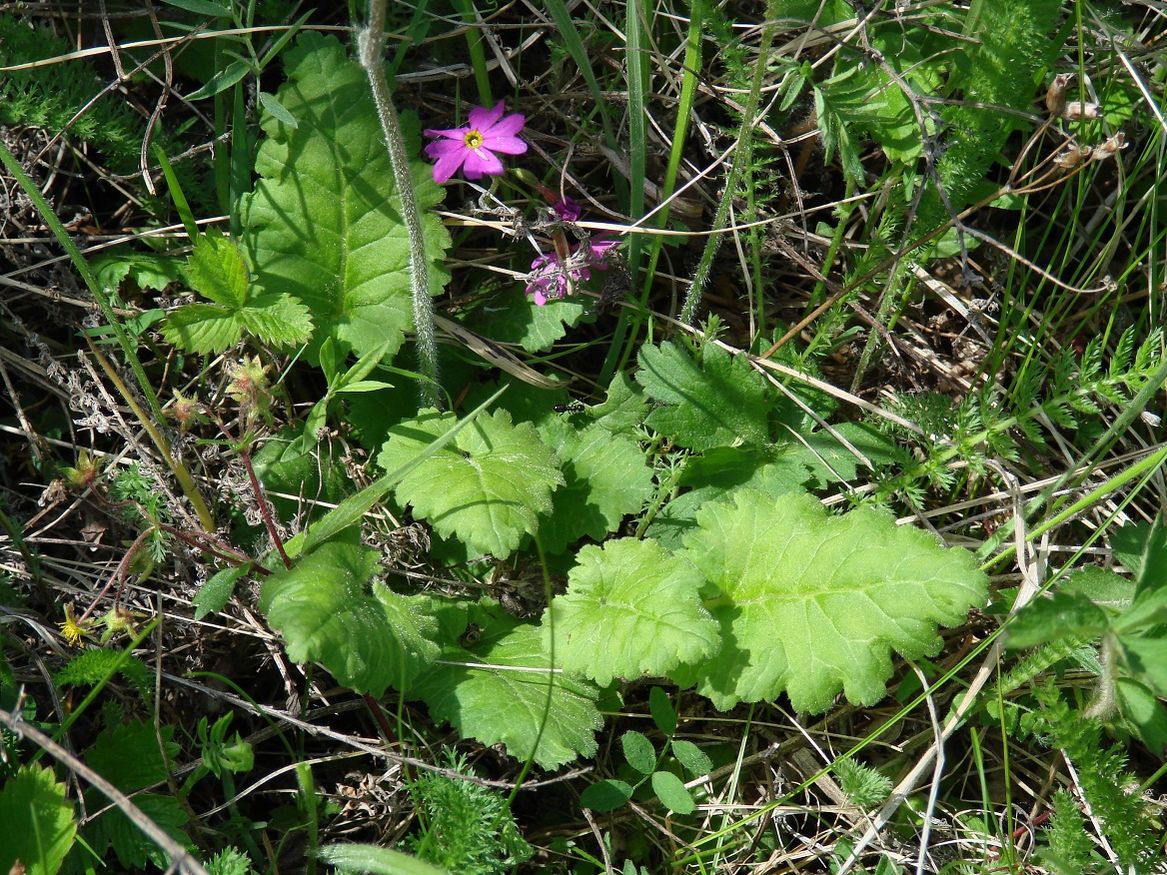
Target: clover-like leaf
[606, 479]
[630, 609]
[497, 692]
[487, 487]
[716, 402]
[813, 604]
[324, 610]
[324, 223]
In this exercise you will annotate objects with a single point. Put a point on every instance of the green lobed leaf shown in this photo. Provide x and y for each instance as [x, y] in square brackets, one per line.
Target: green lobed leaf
[133, 848]
[367, 640]
[503, 701]
[127, 755]
[324, 222]
[36, 822]
[811, 603]
[606, 477]
[718, 401]
[216, 270]
[638, 751]
[487, 487]
[630, 609]
[512, 317]
[624, 407]
[670, 790]
[278, 320]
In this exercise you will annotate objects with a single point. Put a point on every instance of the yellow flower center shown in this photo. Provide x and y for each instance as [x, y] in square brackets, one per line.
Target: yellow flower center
[472, 139]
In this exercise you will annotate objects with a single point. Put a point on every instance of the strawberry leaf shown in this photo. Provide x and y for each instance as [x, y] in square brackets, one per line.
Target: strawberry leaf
[488, 486]
[630, 609]
[36, 822]
[324, 222]
[813, 604]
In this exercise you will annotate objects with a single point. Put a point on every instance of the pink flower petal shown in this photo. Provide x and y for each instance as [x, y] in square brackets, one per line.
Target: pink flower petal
[440, 148]
[481, 162]
[482, 118]
[540, 298]
[448, 165]
[507, 127]
[506, 145]
[448, 133]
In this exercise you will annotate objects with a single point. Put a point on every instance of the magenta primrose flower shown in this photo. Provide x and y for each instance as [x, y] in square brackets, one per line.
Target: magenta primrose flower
[471, 148]
[551, 278]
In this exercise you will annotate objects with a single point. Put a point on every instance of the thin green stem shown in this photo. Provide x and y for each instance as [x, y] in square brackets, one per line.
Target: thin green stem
[371, 48]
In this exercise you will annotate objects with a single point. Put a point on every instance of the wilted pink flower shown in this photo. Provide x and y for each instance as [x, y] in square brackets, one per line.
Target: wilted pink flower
[566, 210]
[552, 278]
[472, 147]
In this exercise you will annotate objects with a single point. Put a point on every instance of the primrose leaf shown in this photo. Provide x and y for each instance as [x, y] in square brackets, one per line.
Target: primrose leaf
[630, 609]
[36, 822]
[203, 328]
[606, 479]
[716, 402]
[324, 222]
[505, 699]
[811, 603]
[326, 614]
[487, 487]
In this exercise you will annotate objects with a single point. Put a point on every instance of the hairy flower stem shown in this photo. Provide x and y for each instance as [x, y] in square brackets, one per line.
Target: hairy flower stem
[371, 48]
[741, 160]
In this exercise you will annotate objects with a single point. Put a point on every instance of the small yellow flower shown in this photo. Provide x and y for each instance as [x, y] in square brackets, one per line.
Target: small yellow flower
[72, 629]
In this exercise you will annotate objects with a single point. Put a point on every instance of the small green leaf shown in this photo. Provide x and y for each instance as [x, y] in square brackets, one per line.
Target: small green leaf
[278, 320]
[323, 609]
[277, 110]
[222, 80]
[606, 795]
[216, 592]
[36, 822]
[661, 708]
[630, 609]
[1143, 710]
[670, 790]
[638, 751]
[487, 487]
[216, 270]
[695, 760]
[1063, 615]
[716, 402]
[811, 603]
[1146, 661]
[374, 860]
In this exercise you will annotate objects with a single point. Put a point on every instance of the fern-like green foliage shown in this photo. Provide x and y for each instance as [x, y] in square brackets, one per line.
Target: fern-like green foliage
[1068, 849]
[864, 786]
[48, 96]
[464, 827]
[96, 665]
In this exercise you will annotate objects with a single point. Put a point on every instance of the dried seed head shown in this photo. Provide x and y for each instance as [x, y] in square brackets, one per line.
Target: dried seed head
[1055, 95]
[1110, 147]
[1076, 109]
[1072, 156]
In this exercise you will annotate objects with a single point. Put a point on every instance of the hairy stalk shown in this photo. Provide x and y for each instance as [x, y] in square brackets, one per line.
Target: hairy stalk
[740, 160]
[371, 48]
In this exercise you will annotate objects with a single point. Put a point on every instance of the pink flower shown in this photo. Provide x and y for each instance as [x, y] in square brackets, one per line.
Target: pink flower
[551, 278]
[472, 148]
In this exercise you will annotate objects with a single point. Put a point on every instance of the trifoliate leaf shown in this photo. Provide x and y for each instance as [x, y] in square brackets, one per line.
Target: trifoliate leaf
[323, 609]
[203, 328]
[606, 795]
[36, 822]
[606, 479]
[324, 222]
[716, 402]
[505, 699]
[630, 609]
[812, 604]
[487, 487]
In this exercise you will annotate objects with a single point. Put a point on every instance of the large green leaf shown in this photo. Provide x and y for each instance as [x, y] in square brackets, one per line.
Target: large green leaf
[606, 479]
[630, 609]
[813, 604]
[497, 692]
[487, 487]
[324, 610]
[324, 223]
[714, 402]
[36, 822]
